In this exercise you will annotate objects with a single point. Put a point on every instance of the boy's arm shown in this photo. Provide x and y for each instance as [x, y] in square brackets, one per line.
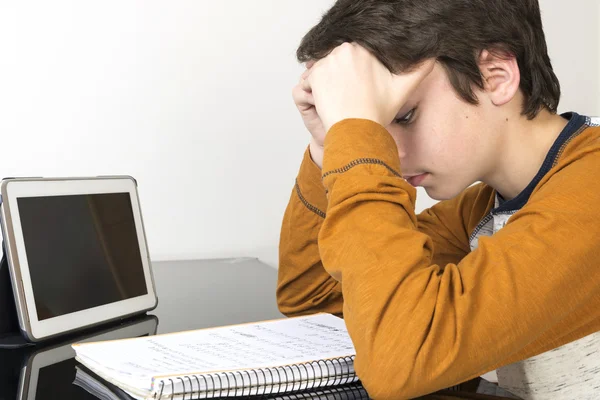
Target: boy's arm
[418, 326]
[303, 284]
[304, 287]
[449, 223]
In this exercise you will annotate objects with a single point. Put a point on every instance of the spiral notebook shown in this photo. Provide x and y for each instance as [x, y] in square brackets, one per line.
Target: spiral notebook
[103, 390]
[255, 359]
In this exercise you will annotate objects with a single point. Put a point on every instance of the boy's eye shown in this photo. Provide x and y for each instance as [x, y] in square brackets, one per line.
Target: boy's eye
[406, 118]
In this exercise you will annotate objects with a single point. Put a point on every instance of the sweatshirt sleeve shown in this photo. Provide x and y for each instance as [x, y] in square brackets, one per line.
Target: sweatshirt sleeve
[303, 285]
[418, 326]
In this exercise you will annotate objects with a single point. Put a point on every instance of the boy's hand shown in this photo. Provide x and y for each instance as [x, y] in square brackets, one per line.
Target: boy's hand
[306, 105]
[351, 83]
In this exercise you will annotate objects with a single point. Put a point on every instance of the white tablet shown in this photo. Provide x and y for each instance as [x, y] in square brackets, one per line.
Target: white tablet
[77, 252]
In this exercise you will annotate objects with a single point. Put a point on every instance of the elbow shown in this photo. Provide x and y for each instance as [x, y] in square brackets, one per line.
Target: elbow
[394, 379]
[287, 304]
[377, 382]
[380, 387]
[293, 303]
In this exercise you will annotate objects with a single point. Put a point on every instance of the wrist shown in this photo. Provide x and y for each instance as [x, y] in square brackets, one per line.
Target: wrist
[316, 153]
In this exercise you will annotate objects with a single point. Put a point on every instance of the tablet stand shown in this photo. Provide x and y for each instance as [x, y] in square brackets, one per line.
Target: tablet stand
[10, 334]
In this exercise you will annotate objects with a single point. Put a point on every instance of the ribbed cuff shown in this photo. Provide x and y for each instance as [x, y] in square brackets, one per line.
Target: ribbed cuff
[359, 141]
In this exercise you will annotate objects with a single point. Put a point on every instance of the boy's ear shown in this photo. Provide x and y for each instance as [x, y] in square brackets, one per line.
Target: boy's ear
[501, 76]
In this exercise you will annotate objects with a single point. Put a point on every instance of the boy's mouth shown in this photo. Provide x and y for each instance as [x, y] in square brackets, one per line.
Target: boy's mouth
[416, 180]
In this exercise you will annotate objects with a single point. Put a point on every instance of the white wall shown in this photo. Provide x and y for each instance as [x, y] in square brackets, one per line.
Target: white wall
[573, 35]
[193, 99]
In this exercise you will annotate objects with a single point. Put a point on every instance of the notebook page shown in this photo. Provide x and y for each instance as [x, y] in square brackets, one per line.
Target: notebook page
[249, 346]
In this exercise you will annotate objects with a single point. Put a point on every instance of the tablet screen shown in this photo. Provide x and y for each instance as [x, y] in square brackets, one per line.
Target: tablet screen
[82, 251]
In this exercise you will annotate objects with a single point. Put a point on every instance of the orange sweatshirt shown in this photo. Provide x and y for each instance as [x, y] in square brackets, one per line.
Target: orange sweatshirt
[424, 311]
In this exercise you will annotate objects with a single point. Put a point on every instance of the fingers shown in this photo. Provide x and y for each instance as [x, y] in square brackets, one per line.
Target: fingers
[304, 79]
[302, 98]
[310, 67]
[305, 85]
[305, 74]
[302, 92]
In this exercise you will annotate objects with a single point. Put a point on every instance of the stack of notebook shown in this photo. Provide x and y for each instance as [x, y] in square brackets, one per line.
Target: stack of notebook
[302, 357]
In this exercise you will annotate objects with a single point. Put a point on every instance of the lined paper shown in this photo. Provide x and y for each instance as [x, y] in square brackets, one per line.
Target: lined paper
[144, 362]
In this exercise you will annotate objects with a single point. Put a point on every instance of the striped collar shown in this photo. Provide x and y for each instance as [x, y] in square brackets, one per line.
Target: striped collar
[576, 121]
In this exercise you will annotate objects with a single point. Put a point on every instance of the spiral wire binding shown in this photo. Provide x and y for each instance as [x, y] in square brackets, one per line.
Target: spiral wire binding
[226, 384]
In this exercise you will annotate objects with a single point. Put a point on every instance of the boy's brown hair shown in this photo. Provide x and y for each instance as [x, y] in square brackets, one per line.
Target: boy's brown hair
[401, 33]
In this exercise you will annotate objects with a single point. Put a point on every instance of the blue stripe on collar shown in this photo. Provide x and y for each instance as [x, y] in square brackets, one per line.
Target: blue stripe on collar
[576, 121]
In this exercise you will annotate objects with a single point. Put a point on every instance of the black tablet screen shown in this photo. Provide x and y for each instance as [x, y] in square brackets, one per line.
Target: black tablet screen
[82, 251]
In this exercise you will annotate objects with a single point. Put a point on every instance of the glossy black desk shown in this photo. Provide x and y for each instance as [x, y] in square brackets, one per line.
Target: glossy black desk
[192, 295]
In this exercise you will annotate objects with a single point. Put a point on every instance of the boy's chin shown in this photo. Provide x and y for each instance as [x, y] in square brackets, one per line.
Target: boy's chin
[441, 193]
